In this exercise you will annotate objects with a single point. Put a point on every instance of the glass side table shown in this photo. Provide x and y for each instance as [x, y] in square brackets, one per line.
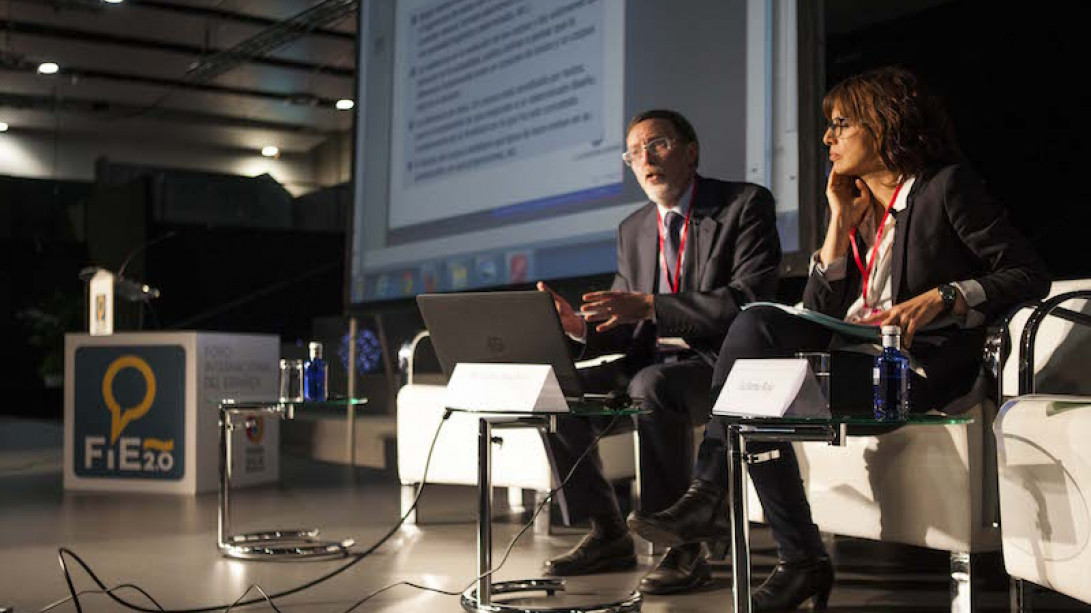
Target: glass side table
[479, 599]
[832, 430]
[271, 544]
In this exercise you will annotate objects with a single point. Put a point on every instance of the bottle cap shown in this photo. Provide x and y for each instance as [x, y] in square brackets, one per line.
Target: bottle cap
[891, 330]
[315, 349]
[892, 337]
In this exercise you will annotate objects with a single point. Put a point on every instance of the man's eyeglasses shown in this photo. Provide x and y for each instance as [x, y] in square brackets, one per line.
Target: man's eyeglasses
[656, 146]
[837, 126]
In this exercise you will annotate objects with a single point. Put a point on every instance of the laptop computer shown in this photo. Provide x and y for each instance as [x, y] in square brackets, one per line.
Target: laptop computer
[519, 327]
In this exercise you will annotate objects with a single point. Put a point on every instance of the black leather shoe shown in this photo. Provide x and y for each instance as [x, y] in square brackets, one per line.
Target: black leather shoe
[594, 554]
[793, 583]
[699, 515]
[682, 569]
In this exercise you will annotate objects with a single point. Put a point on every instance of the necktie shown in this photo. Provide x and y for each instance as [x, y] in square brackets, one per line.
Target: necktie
[673, 222]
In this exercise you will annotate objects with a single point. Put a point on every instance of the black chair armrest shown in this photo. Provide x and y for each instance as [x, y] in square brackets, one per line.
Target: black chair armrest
[998, 347]
[1030, 332]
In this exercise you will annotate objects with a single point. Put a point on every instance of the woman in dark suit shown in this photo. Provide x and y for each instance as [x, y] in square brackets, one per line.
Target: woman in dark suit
[913, 240]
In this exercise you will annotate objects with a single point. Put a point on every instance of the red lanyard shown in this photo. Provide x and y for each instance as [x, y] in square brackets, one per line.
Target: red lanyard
[676, 282]
[865, 271]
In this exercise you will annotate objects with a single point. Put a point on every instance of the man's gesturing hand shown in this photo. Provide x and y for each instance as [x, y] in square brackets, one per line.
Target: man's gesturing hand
[617, 308]
[571, 321]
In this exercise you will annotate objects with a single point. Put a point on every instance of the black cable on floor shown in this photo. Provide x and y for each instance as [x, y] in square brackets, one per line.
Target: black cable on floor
[130, 586]
[357, 557]
[68, 580]
[254, 586]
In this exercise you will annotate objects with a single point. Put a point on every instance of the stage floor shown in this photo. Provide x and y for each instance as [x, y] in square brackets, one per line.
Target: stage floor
[166, 545]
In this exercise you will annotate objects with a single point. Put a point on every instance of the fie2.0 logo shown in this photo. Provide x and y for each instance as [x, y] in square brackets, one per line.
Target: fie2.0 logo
[129, 417]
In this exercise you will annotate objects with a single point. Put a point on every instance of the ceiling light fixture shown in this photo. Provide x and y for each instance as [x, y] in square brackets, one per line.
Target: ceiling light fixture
[113, 1]
[3, 127]
[48, 68]
[270, 151]
[344, 104]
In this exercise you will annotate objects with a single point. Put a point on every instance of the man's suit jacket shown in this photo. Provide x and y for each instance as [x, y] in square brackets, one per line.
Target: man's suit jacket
[951, 230]
[731, 258]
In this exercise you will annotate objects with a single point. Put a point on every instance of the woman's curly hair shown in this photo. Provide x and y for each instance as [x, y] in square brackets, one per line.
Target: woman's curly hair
[909, 126]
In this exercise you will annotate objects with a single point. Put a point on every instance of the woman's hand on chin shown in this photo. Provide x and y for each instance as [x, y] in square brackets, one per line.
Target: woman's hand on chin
[849, 198]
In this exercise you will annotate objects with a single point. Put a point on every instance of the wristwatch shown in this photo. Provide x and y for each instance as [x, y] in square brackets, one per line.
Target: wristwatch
[948, 293]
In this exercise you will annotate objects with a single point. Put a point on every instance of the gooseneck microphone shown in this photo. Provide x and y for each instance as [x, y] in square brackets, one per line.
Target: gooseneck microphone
[128, 289]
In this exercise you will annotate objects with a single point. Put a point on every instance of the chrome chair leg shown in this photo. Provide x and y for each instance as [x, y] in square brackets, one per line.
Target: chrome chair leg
[408, 493]
[829, 541]
[543, 524]
[740, 527]
[645, 548]
[963, 597]
[516, 504]
[648, 548]
[1021, 593]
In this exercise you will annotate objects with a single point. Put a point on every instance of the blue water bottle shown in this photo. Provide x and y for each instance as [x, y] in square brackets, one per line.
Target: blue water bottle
[314, 374]
[890, 378]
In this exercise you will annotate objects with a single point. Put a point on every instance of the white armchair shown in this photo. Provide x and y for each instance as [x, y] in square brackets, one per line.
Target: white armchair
[1045, 493]
[1043, 457]
[929, 486]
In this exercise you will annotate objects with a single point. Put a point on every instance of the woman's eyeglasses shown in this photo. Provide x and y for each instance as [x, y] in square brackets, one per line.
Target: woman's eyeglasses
[837, 126]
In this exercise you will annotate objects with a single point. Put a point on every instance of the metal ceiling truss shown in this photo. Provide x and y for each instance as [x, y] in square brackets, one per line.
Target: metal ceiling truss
[81, 105]
[225, 15]
[18, 63]
[272, 38]
[184, 9]
[52, 31]
[256, 49]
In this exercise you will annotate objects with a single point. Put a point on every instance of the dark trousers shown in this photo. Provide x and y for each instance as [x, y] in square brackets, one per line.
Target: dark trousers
[768, 333]
[676, 394]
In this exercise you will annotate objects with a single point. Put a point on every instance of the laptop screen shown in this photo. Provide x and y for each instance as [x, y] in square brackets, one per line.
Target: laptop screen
[501, 328]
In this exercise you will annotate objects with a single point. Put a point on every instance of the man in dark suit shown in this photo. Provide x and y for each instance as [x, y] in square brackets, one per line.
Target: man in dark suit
[687, 261]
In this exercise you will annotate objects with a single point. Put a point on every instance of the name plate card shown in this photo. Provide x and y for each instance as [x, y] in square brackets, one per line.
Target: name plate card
[101, 293]
[505, 388]
[771, 388]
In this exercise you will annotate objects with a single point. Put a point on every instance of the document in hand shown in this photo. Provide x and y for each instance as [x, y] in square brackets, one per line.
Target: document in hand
[862, 332]
[870, 333]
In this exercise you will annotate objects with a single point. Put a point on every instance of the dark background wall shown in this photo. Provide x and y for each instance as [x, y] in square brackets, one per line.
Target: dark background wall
[237, 254]
[42, 247]
[1012, 78]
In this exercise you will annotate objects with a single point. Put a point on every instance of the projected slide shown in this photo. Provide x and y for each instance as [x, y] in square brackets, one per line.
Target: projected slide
[489, 133]
[500, 103]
